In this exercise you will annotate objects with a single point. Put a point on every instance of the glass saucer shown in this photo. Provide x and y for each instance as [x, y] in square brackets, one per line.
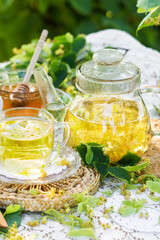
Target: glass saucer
[52, 174]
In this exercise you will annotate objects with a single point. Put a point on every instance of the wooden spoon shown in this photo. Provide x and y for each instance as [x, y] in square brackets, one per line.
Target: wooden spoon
[3, 222]
[22, 88]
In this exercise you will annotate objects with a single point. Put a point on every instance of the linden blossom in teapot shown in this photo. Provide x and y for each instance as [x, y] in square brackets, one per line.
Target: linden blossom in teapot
[109, 110]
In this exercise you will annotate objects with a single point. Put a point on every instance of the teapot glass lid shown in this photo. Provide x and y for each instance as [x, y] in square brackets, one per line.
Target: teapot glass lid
[107, 73]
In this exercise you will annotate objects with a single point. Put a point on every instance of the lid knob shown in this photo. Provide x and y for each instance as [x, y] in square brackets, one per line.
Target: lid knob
[107, 57]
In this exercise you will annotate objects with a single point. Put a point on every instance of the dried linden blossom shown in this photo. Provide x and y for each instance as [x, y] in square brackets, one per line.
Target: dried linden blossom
[13, 234]
[156, 21]
[63, 162]
[51, 193]
[59, 51]
[43, 173]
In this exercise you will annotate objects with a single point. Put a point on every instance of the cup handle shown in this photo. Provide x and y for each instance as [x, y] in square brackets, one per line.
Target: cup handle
[147, 90]
[1, 104]
[62, 125]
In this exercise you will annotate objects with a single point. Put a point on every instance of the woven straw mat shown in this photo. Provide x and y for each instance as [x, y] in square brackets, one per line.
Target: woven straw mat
[153, 152]
[84, 179]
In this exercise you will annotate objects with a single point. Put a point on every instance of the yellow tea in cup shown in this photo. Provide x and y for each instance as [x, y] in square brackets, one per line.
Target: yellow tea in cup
[26, 140]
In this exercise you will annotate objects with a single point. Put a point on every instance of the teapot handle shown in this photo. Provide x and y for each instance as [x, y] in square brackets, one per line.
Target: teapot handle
[147, 90]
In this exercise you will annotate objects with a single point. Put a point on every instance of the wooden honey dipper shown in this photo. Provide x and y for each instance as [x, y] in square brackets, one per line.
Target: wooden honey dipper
[3, 222]
[18, 99]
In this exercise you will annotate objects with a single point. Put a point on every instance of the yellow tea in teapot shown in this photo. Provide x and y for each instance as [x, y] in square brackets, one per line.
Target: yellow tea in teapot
[120, 125]
[25, 144]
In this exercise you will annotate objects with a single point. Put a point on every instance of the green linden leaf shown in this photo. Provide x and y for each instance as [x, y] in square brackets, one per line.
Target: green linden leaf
[136, 168]
[119, 173]
[154, 199]
[84, 200]
[12, 209]
[58, 70]
[68, 37]
[78, 44]
[20, 58]
[82, 150]
[70, 59]
[91, 201]
[94, 144]
[131, 187]
[89, 155]
[151, 19]
[74, 218]
[153, 186]
[11, 219]
[30, 48]
[60, 75]
[129, 159]
[157, 108]
[83, 7]
[147, 5]
[126, 211]
[151, 177]
[80, 197]
[135, 204]
[34, 191]
[82, 206]
[98, 155]
[108, 193]
[141, 10]
[102, 168]
[56, 214]
[82, 232]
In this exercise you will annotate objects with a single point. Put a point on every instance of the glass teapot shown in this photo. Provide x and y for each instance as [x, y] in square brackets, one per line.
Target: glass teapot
[110, 109]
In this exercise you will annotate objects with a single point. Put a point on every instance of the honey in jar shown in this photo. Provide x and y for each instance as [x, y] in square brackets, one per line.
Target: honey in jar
[9, 80]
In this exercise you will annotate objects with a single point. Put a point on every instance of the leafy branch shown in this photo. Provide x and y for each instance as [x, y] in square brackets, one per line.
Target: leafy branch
[93, 156]
[59, 57]
[152, 9]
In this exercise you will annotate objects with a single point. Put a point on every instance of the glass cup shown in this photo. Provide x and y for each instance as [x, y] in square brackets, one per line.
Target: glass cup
[9, 79]
[27, 139]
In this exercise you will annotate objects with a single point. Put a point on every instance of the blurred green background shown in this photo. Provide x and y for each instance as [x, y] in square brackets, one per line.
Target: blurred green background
[22, 20]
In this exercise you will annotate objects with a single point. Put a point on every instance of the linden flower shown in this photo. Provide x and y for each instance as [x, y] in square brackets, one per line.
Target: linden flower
[82, 35]
[44, 220]
[13, 66]
[43, 173]
[63, 162]
[61, 192]
[33, 223]
[70, 88]
[14, 234]
[36, 128]
[17, 51]
[48, 40]
[157, 20]
[51, 193]
[59, 51]
[148, 21]
[61, 46]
